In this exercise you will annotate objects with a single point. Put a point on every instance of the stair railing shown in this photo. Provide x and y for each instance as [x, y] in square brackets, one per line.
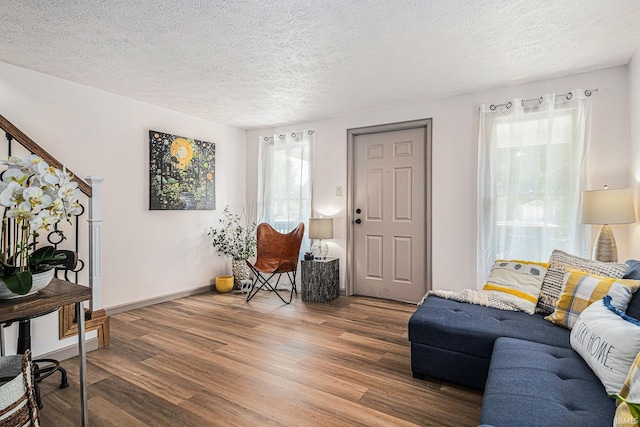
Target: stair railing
[91, 188]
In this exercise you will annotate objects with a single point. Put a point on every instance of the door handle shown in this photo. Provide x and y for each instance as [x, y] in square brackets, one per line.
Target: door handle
[358, 221]
[358, 210]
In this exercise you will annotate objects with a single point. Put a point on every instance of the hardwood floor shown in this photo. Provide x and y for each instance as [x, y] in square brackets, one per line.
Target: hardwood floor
[213, 359]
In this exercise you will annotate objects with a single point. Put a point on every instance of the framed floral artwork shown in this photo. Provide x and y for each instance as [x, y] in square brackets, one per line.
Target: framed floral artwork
[181, 173]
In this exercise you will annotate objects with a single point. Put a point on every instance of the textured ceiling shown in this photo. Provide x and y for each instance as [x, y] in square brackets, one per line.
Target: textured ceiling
[253, 64]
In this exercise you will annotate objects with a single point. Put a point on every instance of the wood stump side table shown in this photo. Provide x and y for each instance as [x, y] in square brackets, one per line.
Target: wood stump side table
[320, 280]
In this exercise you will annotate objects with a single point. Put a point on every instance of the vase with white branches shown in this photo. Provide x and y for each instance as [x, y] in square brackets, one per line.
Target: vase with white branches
[235, 237]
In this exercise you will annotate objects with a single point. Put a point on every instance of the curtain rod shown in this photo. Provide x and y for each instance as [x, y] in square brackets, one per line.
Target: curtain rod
[293, 134]
[568, 95]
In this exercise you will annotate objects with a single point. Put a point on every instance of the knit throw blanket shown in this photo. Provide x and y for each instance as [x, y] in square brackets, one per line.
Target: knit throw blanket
[471, 297]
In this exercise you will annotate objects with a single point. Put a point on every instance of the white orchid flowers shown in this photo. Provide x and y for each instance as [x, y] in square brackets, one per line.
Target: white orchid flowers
[35, 196]
[34, 192]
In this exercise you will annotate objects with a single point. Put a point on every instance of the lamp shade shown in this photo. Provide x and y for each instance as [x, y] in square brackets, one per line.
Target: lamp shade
[321, 228]
[607, 207]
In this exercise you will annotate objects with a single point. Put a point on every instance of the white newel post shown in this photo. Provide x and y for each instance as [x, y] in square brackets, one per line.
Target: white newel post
[95, 242]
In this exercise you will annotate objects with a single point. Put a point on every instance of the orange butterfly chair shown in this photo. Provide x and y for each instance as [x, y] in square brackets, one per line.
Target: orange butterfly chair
[277, 253]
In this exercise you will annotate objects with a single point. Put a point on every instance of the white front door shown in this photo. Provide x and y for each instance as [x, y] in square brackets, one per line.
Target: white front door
[389, 213]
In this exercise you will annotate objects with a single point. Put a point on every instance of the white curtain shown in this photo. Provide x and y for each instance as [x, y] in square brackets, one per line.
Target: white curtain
[284, 181]
[532, 168]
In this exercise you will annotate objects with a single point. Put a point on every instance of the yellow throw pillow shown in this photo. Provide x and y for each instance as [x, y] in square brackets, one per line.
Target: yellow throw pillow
[580, 290]
[626, 416]
[561, 262]
[516, 283]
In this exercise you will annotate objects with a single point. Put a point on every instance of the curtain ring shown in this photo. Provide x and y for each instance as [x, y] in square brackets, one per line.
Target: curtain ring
[540, 100]
[310, 132]
[509, 104]
[492, 107]
[522, 102]
[266, 138]
[281, 136]
[569, 95]
[587, 92]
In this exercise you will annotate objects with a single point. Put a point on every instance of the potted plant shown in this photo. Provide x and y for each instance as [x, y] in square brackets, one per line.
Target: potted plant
[35, 196]
[235, 237]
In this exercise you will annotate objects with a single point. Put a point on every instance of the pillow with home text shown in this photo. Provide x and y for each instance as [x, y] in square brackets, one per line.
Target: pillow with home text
[607, 341]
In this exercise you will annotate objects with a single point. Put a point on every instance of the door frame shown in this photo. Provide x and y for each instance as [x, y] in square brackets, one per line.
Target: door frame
[390, 127]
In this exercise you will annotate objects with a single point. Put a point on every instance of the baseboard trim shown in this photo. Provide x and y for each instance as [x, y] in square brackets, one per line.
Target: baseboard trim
[156, 300]
[343, 292]
[69, 351]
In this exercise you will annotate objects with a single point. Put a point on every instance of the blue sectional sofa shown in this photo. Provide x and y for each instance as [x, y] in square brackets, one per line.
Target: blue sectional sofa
[525, 365]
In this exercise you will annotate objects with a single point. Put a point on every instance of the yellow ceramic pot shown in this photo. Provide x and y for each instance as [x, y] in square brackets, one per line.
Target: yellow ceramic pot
[224, 284]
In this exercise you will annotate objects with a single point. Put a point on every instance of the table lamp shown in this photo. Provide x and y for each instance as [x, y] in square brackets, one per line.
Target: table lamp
[320, 228]
[607, 207]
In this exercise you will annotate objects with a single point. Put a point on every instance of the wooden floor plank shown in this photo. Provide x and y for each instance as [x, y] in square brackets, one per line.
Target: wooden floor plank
[214, 359]
[111, 414]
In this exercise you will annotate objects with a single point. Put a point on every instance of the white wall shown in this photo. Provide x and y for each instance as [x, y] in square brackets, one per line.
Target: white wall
[634, 126]
[455, 134]
[146, 254]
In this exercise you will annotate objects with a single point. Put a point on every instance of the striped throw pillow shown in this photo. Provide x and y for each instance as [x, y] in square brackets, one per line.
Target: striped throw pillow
[630, 393]
[560, 262]
[580, 290]
[516, 283]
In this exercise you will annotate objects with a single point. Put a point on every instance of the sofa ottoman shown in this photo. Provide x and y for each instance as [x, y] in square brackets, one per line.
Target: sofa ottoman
[538, 384]
[453, 341]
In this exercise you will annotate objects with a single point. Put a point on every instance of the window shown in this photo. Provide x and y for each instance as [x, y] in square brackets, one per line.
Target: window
[284, 181]
[531, 172]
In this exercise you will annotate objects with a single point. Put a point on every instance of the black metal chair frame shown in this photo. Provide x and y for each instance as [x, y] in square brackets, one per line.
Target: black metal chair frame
[39, 372]
[43, 368]
[264, 283]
